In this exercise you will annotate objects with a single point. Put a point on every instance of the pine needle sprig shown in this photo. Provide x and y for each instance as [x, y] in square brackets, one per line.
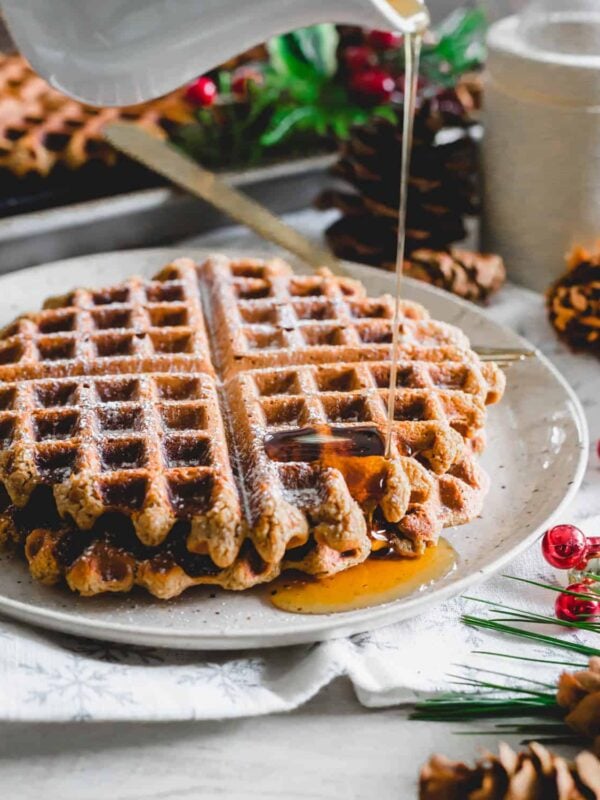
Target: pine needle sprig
[540, 638]
[550, 586]
[507, 676]
[480, 697]
[569, 664]
[489, 699]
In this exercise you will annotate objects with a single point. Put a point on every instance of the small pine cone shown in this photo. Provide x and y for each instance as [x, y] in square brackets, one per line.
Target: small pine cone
[474, 276]
[579, 694]
[532, 774]
[574, 302]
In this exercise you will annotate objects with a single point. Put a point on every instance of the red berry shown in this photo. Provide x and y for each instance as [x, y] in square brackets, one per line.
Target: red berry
[375, 84]
[384, 40]
[244, 76]
[202, 92]
[359, 58]
[564, 546]
[578, 609]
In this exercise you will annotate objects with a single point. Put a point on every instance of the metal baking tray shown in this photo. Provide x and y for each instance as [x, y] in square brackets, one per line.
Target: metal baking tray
[150, 216]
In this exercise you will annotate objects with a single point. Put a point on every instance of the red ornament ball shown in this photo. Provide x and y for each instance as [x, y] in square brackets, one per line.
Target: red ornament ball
[564, 546]
[202, 92]
[374, 84]
[384, 40]
[359, 58]
[578, 609]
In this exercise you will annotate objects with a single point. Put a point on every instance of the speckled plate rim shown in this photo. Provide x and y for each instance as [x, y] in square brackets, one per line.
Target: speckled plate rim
[324, 626]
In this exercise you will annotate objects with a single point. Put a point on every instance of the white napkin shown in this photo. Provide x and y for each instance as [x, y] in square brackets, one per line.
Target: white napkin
[54, 677]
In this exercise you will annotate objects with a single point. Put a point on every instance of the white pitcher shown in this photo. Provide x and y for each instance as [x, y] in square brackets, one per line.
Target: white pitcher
[117, 52]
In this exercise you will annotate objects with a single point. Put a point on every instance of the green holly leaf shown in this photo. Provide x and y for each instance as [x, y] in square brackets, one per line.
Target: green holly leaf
[287, 61]
[459, 46]
[385, 112]
[461, 23]
[319, 46]
[306, 54]
[283, 123]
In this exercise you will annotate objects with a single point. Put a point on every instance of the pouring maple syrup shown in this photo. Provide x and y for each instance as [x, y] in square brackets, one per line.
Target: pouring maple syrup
[360, 453]
[412, 52]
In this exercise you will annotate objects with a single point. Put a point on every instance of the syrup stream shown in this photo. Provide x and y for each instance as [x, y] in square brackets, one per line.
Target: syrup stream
[412, 52]
[356, 452]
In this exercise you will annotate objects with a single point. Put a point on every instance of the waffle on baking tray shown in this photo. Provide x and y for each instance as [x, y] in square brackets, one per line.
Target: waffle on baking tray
[40, 127]
[152, 431]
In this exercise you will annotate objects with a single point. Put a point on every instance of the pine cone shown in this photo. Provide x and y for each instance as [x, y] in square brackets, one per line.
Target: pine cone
[443, 186]
[579, 694]
[532, 774]
[574, 302]
[474, 276]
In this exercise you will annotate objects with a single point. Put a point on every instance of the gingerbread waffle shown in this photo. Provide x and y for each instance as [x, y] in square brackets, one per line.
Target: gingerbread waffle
[41, 129]
[136, 326]
[159, 473]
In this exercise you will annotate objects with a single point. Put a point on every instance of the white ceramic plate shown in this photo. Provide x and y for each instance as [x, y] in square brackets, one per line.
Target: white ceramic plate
[537, 443]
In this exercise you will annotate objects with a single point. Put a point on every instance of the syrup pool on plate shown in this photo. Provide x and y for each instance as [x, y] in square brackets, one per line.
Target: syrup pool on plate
[375, 581]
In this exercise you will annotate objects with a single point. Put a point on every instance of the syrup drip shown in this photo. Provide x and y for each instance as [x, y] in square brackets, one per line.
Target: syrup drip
[357, 452]
[375, 581]
[382, 532]
[322, 441]
[412, 51]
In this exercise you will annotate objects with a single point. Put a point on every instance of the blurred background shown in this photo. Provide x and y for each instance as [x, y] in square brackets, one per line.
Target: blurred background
[312, 118]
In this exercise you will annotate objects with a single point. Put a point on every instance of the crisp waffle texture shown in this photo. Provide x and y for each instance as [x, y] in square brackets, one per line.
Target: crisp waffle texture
[41, 128]
[265, 317]
[137, 326]
[134, 434]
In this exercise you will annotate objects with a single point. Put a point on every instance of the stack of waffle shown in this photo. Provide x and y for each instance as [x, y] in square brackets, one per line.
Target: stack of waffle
[47, 138]
[135, 421]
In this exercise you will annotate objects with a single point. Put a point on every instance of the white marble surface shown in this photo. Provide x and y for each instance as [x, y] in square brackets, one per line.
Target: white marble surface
[330, 748]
